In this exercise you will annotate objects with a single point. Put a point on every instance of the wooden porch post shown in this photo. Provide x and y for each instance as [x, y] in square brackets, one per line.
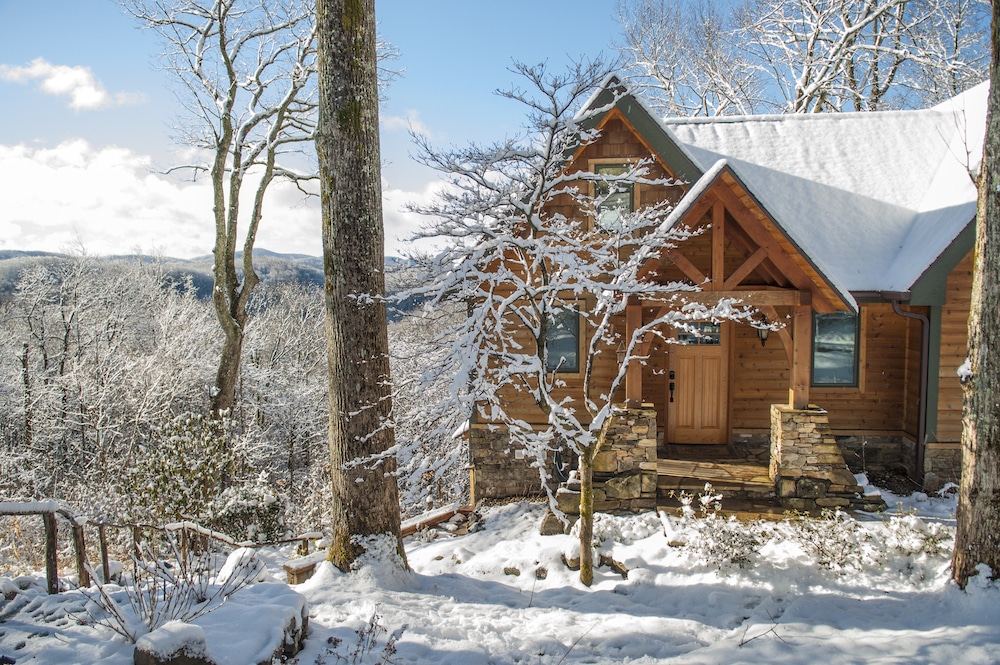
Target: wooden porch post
[798, 391]
[633, 376]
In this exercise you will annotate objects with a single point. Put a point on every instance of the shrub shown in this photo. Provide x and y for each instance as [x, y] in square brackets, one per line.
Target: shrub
[181, 469]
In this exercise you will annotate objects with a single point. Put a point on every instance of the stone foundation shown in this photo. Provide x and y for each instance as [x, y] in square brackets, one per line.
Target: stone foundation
[878, 453]
[942, 464]
[808, 466]
[498, 470]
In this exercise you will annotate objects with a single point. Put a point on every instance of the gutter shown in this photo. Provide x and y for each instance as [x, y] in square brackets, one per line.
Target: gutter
[925, 347]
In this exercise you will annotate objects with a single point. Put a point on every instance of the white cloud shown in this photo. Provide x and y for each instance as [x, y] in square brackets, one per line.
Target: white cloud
[400, 223]
[411, 122]
[108, 200]
[78, 83]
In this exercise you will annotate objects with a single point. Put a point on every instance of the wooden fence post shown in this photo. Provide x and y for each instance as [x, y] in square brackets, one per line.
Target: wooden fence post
[105, 567]
[80, 545]
[51, 564]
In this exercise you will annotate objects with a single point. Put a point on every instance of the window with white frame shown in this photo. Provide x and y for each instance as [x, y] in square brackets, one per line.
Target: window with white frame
[613, 198]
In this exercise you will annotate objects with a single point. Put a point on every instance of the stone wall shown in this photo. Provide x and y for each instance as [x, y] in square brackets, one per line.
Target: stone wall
[808, 467]
[501, 469]
[624, 467]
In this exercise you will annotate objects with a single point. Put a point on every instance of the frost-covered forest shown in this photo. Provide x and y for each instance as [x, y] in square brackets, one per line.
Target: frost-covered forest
[106, 364]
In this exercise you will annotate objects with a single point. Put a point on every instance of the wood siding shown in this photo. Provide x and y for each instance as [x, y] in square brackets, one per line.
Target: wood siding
[880, 404]
[954, 349]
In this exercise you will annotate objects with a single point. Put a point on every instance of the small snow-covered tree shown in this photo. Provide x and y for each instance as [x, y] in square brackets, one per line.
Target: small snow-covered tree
[247, 81]
[525, 267]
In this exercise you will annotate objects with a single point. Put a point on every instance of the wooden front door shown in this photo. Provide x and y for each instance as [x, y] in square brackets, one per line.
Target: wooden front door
[698, 372]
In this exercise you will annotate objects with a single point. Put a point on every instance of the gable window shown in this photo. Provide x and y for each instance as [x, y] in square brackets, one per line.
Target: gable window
[614, 197]
[835, 349]
[562, 341]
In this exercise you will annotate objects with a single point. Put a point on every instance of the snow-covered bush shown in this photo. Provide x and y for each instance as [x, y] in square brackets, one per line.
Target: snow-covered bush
[250, 512]
[836, 541]
[181, 586]
[181, 468]
[725, 542]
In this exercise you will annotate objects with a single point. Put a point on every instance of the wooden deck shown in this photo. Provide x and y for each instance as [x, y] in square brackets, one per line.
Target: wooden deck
[746, 487]
[692, 475]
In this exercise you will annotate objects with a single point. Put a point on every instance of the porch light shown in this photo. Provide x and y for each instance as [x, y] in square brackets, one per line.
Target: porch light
[621, 353]
[763, 331]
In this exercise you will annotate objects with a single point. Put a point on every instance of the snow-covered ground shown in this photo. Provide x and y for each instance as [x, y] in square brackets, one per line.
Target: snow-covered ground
[502, 594]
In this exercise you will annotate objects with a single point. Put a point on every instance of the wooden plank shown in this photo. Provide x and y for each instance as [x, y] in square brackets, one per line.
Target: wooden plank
[798, 397]
[688, 268]
[428, 519]
[744, 270]
[80, 546]
[718, 246]
[633, 376]
[754, 298]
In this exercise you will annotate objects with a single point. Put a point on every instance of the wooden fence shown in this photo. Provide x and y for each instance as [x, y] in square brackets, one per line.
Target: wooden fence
[49, 510]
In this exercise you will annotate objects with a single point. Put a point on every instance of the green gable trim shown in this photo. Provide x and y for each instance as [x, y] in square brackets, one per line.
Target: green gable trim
[930, 288]
[659, 139]
[933, 377]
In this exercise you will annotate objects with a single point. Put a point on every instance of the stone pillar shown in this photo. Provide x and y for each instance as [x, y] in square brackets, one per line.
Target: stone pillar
[808, 467]
[624, 467]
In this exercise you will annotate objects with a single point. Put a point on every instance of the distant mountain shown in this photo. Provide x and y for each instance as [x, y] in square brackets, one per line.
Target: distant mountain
[272, 267]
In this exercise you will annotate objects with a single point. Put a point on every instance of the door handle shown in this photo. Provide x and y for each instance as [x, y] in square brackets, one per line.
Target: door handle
[671, 390]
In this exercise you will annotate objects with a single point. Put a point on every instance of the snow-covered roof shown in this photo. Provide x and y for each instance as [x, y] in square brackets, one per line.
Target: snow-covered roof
[872, 198]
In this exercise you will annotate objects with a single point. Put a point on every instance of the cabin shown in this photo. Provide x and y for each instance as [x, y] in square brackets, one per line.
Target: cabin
[853, 234]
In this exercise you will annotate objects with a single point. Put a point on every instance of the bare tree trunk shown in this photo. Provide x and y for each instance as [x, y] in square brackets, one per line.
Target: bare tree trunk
[26, 379]
[587, 514]
[224, 393]
[977, 539]
[365, 497]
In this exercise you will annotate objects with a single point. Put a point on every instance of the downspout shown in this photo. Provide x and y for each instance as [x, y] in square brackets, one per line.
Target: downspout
[925, 349]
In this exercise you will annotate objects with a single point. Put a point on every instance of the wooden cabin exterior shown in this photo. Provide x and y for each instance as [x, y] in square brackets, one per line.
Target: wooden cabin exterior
[892, 394]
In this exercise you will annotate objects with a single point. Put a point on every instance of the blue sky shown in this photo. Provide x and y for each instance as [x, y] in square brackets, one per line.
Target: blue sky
[76, 158]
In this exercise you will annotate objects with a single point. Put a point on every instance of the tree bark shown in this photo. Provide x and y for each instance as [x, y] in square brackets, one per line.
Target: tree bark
[977, 538]
[365, 497]
[587, 515]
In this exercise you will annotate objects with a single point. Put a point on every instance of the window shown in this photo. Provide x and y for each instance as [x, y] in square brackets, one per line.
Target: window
[614, 198]
[562, 341]
[835, 349]
[700, 334]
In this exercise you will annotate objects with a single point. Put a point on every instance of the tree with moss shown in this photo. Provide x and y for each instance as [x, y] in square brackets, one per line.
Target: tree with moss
[977, 538]
[365, 497]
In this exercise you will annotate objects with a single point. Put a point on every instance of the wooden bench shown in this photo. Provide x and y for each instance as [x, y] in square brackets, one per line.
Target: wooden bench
[298, 571]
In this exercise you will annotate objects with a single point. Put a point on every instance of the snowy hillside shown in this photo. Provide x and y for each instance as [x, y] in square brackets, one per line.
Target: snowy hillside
[835, 591]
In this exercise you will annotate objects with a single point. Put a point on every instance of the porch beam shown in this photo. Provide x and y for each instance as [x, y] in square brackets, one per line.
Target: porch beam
[755, 298]
[633, 375]
[798, 391]
[686, 267]
[718, 246]
[744, 270]
[784, 336]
